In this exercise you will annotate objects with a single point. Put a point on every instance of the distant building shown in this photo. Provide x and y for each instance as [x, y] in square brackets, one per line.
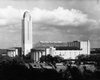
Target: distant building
[67, 50]
[95, 51]
[3, 52]
[15, 51]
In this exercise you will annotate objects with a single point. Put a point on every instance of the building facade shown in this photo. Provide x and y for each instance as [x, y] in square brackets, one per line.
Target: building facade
[67, 50]
[26, 33]
[15, 51]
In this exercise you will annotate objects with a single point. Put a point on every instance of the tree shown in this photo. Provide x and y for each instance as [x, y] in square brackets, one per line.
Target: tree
[81, 56]
[47, 58]
[58, 59]
[51, 60]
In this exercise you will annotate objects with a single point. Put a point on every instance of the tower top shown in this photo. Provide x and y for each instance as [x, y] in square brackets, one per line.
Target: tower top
[26, 14]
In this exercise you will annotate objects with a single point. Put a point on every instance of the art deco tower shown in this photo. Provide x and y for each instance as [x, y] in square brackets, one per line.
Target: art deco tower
[26, 33]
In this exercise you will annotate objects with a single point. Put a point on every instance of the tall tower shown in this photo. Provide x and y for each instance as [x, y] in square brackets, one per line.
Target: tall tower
[26, 33]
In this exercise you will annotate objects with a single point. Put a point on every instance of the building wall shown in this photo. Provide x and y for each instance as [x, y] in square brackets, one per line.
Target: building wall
[12, 53]
[50, 50]
[36, 55]
[67, 54]
[26, 33]
[83, 47]
[71, 54]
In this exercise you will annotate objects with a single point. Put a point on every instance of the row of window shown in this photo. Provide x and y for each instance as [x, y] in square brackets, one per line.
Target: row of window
[67, 48]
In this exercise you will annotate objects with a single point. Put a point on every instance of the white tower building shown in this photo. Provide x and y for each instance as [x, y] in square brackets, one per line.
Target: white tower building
[26, 33]
[85, 46]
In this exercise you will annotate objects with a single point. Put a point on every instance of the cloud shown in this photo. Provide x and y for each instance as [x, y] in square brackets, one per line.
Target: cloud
[59, 16]
[10, 15]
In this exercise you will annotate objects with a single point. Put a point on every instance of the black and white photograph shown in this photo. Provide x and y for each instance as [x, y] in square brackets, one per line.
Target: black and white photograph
[49, 39]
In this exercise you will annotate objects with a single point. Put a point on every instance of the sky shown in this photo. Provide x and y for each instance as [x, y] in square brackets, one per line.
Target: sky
[53, 20]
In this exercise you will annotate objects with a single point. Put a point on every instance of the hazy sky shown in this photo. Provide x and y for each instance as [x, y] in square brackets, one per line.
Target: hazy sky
[53, 20]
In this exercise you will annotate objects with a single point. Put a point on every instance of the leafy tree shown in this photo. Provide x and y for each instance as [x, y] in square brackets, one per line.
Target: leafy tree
[51, 60]
[58, 59]
[81, 56]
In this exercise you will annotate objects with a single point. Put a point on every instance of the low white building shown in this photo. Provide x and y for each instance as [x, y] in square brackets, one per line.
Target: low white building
[67, 50]
[15, 51]
[70, 53]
